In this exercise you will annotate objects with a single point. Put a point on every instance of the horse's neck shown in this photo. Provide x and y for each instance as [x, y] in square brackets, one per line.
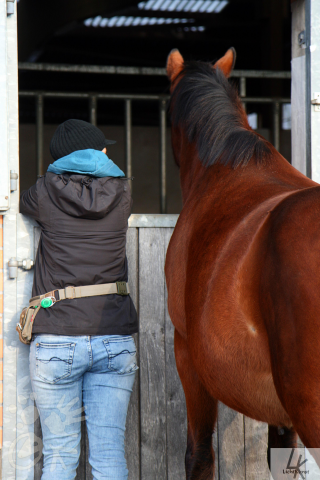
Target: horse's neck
[190, 176]
[196, 179]
[192, 171]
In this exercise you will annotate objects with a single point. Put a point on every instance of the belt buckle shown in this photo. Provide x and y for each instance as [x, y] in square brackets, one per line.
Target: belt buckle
[122, 288]
[54, 295]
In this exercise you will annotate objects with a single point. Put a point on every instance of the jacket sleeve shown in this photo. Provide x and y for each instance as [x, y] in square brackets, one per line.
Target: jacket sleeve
[29, 203]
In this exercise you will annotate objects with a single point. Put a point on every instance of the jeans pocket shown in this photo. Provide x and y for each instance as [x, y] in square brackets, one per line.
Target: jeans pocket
[54, 360]
[122, 354]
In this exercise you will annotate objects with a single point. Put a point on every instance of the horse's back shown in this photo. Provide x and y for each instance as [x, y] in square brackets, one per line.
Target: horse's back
[275, 245]
[211, 241]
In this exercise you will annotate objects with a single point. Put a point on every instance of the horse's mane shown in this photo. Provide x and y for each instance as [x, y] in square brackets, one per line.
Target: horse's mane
[209, 110]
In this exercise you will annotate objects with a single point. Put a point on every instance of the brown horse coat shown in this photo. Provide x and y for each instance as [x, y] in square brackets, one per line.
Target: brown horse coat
[243, 278]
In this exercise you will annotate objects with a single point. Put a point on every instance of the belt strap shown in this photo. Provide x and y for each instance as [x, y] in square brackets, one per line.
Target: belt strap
[119, 288]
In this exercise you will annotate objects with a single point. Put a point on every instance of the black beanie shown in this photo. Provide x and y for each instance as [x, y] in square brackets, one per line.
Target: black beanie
[74, 135]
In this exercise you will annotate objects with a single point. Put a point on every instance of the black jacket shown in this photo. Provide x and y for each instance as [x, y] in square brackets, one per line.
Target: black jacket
[83, 223]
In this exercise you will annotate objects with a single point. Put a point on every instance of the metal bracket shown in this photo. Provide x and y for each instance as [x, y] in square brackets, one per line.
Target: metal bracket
[13, 264]
[10, 7]
[13, 180]
[316, 101]
[302, 39]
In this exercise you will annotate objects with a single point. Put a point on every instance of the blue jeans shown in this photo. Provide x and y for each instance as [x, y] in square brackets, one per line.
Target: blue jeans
[98, 370]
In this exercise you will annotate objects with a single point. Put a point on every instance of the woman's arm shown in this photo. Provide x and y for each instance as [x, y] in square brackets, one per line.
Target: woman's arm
[29, 203]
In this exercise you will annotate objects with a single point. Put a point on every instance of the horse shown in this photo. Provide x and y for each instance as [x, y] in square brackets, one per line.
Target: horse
[242, 270]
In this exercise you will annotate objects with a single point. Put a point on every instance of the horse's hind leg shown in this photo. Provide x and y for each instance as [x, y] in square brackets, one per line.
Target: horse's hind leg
[202, 415]
[281, 438]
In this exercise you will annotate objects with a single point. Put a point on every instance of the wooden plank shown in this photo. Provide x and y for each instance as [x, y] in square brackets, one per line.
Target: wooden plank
[231, 444]
[256, 445]
[132, 438]
[152, 354]
[215, 446]
[176, 405]
[81, 470]
[39, 458]
[85, 454]
[152, 220]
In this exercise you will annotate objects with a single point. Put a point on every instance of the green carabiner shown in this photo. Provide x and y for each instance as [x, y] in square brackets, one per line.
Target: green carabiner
[46, 302]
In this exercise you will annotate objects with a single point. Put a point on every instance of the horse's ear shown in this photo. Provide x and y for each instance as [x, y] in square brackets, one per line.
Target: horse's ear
[226, 63]
[174, 64]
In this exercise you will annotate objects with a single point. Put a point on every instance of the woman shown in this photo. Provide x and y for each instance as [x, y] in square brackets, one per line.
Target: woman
[82, 348]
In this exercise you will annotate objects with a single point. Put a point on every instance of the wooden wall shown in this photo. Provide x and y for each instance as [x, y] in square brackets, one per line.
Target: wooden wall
[156, 429]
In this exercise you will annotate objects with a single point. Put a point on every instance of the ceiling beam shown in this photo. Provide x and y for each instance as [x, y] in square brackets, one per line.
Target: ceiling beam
[39, 20]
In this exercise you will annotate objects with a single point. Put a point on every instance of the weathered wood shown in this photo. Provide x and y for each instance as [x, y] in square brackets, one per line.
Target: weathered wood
[152, 354]
[176, 405]
[215, 446]
[81, 470]
[39, 458]
[255, 449]
[231, 444]
[132, 438]
[89, 475]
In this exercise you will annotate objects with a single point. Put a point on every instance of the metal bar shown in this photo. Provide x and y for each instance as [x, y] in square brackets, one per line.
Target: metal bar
[14, 357]
[124, 96]
[308, 89]
[113, 70]
[39, 134]
[243, 90]
[128, 131]
[163, 183]
[267, 100]
[243, 87]
[105, 96]
[261, 74]
[139, 70]
[93, 109]
[276, 125]
[5, 85]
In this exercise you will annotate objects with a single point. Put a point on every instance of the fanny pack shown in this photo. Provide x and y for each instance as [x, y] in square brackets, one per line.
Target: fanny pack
[47, 300]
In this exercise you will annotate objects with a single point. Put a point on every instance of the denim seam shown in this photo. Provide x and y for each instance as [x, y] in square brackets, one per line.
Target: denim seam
[119, 339]
[89, 348]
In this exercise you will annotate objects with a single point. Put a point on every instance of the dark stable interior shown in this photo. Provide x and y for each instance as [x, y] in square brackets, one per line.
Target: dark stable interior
[259, 30]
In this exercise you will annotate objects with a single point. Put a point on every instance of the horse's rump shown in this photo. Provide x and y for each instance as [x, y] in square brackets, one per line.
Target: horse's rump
[290, 304]
[233, 294]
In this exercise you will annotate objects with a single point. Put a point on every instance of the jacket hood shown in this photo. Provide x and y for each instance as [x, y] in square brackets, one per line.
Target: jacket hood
[89, 161]
[85, 184]
[84, 196]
